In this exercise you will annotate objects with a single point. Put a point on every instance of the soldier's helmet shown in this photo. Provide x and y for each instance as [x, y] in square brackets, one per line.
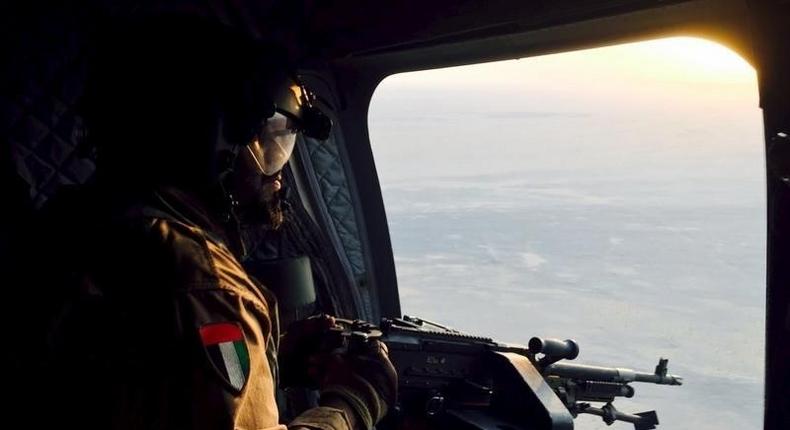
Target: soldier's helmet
[164, 93]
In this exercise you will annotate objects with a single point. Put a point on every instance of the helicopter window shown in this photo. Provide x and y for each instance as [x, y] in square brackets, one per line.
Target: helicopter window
[614, 196]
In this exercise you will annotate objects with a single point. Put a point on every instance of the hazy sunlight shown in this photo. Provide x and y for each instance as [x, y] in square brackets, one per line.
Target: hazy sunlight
[694, 65]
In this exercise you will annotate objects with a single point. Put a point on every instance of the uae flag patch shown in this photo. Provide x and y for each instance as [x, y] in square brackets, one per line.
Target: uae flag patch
[227, 351]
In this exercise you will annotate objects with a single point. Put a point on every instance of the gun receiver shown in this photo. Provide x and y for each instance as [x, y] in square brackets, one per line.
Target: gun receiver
[456, 380]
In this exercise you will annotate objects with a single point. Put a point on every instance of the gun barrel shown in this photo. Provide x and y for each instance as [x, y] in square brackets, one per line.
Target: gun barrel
[658, 379]
[608, 374]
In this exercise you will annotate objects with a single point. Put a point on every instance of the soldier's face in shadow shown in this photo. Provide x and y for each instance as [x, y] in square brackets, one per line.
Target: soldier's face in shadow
[258, 194]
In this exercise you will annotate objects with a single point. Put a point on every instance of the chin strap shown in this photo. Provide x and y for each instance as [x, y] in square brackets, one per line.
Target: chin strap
[232, 225]
[227, 204]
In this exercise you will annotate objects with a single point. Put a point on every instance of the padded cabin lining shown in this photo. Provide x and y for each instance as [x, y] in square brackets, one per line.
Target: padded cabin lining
[44, 81]
[333, 182]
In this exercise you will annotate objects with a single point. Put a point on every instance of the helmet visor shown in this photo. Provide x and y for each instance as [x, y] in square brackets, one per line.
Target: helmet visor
[272, 147]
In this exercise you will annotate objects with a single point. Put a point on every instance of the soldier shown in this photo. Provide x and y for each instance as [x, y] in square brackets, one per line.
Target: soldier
[192, 124]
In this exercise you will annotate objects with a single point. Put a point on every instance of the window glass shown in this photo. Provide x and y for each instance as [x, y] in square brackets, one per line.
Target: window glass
[614, 196]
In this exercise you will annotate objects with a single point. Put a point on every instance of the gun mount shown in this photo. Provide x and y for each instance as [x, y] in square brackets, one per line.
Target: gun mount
[457, 380]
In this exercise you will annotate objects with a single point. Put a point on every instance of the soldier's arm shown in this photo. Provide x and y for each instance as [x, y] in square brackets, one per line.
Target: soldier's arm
[227, 320]
[231, 377]
[234, 383]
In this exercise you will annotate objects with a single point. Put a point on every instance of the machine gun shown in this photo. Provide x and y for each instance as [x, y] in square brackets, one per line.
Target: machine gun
[454, 380]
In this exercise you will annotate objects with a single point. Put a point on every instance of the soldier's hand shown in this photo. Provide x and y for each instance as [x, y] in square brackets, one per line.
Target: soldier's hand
[366, 381]
[300, 350]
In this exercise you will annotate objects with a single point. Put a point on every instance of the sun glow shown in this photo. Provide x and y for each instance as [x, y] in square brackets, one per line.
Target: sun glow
[678, 72]
[682, 59]
[671, 60]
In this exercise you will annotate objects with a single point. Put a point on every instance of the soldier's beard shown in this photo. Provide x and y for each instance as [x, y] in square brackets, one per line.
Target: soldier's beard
[257, 223]
[275, 216]
[260, 207]
[266, 214]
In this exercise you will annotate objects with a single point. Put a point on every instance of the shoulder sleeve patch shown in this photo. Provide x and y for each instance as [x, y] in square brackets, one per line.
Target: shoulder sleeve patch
[227, 352]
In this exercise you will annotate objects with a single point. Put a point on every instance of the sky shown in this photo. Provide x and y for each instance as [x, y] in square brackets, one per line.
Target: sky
[614, 195]
[693, 64]
[674, 83]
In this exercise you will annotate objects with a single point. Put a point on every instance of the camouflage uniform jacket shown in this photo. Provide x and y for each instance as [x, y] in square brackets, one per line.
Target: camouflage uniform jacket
[184, 338]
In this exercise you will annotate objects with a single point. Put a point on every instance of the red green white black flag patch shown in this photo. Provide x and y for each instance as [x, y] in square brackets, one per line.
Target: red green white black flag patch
[227, 351]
